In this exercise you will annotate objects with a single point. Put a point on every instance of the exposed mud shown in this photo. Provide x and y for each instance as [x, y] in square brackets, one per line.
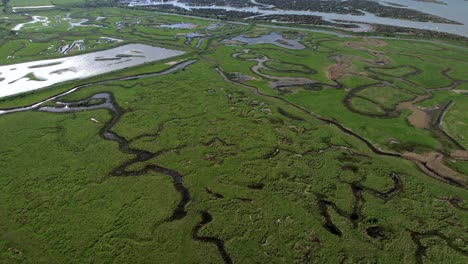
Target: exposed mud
[324, 120]
[423, 118]
[36, 105]
[433, 165]
[343, 66]
[376, 42]
[419, 117]
[459, 155]
[366, 42]
[455, 179]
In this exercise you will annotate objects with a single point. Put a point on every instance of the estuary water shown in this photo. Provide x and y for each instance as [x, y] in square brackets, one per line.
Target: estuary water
[272, 38]
[29, 76]
[455, 10]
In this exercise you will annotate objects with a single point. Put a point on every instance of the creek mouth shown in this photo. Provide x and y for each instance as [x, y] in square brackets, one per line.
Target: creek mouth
[107, 102]
[174, 68]
[382, 61]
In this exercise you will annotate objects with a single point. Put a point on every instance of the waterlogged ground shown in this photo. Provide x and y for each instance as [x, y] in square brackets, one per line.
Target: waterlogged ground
[257, 145]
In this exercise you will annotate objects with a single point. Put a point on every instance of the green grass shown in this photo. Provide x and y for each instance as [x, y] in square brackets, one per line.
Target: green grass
[353, 81]
[377, 130]
[60, 204]
[429, 70]
[410, 88]
[386, 96]
[366, 106]
[281, 66]
[396, 72]
[455, 121]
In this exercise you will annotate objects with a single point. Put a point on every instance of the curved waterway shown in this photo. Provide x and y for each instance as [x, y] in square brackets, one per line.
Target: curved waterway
[271, 38]
[105, 100]
[36, 105]
[461, 30]
[29, 76]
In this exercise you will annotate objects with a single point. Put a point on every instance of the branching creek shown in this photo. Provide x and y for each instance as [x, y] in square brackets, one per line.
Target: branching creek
[420, 118]
[355, 216]
[105, 100]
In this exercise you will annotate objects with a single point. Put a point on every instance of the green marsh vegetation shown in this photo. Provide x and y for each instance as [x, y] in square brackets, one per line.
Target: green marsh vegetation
[278, 184]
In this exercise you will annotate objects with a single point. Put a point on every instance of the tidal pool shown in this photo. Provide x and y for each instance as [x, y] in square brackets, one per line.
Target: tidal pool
[272, 38]
[29, 76]
[179, 26]
[45, 22]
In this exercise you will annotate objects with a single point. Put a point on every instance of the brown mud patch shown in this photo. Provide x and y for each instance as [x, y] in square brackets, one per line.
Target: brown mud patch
[459, 155]
[342, 68]
[419, 117]
[433, 165]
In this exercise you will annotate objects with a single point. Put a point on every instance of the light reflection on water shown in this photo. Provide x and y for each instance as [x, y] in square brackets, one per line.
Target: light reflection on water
[179, 26]
[460, 5]
[29, 76]
[272, 38]
[455, 10]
